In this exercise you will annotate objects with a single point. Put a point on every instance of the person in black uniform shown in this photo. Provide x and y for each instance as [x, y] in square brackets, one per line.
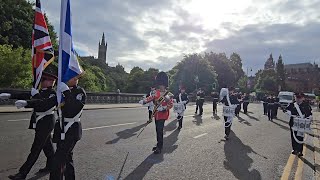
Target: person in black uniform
[42, 121]
[270, 107]
[305, 109]
[276, 107]
[197, 101]
[245, 103]
[182, 97]
[238, 108]
[201, 96]
[71, 132]
[265, 104]
[233, 100]
[215, 100]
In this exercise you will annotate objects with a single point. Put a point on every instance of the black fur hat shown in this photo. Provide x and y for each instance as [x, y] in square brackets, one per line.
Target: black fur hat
[162, 79]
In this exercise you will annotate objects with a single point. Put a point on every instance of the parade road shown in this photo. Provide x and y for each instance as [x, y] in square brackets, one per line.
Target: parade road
[110, 148]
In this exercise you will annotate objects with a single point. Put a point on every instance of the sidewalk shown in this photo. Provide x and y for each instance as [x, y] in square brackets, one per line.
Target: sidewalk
[13, 109]
[316, 143]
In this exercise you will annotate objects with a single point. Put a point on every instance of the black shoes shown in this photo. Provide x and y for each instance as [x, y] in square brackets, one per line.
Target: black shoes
[226, 137]
[17, 176]
[156, 150]
[179, 128]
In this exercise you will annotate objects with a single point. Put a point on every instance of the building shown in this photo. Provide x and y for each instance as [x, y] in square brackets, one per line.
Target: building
[102, 52]
[269, 63]
[302, 77]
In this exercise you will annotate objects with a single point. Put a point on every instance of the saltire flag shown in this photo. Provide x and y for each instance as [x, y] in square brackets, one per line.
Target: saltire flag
[68, 64]
[42, 50]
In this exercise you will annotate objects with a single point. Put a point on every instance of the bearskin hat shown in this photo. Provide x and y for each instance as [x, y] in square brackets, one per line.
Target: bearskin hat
[162, 79]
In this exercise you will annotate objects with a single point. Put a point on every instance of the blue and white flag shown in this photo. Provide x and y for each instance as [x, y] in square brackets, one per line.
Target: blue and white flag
[68, 65]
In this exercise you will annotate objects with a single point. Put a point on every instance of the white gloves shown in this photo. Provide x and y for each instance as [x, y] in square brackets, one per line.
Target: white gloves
[141, 102]
[184, 102]
[162, 108]
[63, 87]
[5, 96]
[288, 112]
[34, 92]
[21, 103]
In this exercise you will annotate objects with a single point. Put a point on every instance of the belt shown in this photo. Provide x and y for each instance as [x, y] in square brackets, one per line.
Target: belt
[70, 122]
[40, 115]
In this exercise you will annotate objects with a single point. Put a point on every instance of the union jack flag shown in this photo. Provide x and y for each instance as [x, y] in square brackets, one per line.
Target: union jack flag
[42, 50]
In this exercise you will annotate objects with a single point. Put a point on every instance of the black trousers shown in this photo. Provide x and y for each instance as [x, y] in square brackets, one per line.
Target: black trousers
[201, 107]
[275, 111]
[197, 107]
[265, 111]
[159, 131]
[245, 107]
[42, 141]
[227, 129]
[214, 107]
[270, 109]
[296, 146]
[238, 108]
[63, 161]
[150, 114]
[180, 119]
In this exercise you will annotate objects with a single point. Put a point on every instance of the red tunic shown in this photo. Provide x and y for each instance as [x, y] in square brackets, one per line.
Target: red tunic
[163, 115]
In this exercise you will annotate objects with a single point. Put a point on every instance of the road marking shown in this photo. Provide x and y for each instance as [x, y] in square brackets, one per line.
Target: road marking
[100, 127]
[298, 175]
[288, 167]
[18, 120]
[200, 135]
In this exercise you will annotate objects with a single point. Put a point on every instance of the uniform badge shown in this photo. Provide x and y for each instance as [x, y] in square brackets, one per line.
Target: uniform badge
[79, 97]
[52, 95]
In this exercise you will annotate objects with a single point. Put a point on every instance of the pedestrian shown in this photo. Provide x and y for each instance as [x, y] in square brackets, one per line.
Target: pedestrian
[163, 103]
[276, 107]
[200, 95]
[246, 99]
[297, 109]
[42, 121]
[67, 135]
[230, 100]
[151, 104]
[265, 104]
[182, 98]
[215, 99]
[270, 108]
[238, 108]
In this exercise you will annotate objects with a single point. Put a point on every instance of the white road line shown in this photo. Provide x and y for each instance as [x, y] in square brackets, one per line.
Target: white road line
[18, 120]
[100, 127]
[200, 135]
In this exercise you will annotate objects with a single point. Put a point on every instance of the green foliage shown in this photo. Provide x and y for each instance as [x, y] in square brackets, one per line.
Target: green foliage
[280, 73]
[267, 81]
[15, 67]
[236, 65]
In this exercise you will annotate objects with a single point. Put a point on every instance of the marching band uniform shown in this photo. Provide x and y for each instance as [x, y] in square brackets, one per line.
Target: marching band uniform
[238, 108]
[215, 100]
[200, 97]
[305, 109]
[265, 104]
[270, 108]
[70, 133]
[181, 97]
[42, 121]
[245, 103]
[276, 107]
[233, 100]
[162, 112]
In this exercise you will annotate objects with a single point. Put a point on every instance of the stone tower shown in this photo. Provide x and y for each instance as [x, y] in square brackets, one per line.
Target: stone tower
[269, 64]
[102, 54]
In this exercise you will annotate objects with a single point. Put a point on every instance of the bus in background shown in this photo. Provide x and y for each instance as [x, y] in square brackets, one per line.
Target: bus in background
[285, 98]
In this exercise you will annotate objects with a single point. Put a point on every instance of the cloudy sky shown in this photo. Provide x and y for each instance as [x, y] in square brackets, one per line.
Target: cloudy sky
[156, 33]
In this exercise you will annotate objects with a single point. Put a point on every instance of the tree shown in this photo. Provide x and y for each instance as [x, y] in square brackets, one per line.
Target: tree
[15, 67]
[236, 65]
[187, 71]
[267, 81]
[280, 73]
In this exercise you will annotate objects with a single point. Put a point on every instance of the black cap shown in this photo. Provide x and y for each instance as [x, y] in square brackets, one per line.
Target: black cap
[162, 79]
[48, 76]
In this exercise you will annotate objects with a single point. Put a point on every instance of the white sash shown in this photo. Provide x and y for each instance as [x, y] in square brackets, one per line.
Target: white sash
[230, 107]
[41, 115]
[70, 122]
[300, 124]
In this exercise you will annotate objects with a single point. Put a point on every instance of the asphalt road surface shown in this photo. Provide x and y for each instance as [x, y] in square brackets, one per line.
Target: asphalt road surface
[110, 149]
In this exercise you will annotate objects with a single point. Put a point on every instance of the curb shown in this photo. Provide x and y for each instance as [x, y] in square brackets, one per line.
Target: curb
[316, 144]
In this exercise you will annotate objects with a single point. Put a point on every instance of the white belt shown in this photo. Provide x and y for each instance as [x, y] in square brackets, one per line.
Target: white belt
[40, 115]
[70, 122]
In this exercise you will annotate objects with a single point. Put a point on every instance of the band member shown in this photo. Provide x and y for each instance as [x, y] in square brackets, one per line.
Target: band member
[215, 100]
[200, 97]
[70, 132]
[293, 111]
[163, 103]
[245, 103]
[224, 95]
[270, 107]
[42, 121]
[265, 104]
[238, 108]
[276, 107]
[151, 105]
[197, 102]
[182, 97]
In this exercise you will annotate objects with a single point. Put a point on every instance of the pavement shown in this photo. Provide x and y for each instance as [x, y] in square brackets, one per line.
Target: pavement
[110, 148]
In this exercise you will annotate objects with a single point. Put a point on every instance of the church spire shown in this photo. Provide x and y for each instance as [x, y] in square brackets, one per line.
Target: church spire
[103, 42]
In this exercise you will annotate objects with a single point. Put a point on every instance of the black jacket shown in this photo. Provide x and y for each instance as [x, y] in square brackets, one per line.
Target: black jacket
[184, 97]
[305, 110]
[233, 100]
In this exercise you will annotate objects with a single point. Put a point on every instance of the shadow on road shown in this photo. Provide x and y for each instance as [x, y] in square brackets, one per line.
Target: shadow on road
[216, 117]
[169, 146]
[197, 120]
[252, 117]
[38, 176]
[238, 160]
[127, 133]
[171, 126]
[282, 126]
[243, 121]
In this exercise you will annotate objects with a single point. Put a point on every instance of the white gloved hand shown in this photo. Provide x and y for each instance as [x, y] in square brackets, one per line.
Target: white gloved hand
[184, 102]
[63, 87]
[5, 96]
[21, 103]
[34, 92]
[141, 102]
[288, 112]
